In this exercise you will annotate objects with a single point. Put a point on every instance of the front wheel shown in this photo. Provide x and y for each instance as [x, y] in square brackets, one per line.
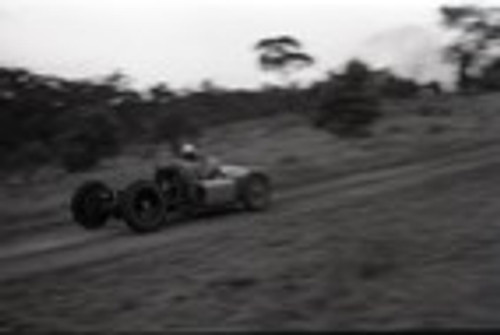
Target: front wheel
[143, 206]
[256, 193]
[92, 204]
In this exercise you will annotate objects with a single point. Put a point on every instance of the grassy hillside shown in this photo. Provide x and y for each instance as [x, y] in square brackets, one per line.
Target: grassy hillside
[403, 249]
[293, 152]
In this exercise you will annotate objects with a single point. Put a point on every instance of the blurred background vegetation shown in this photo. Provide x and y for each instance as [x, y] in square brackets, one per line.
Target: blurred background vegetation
[74, 124]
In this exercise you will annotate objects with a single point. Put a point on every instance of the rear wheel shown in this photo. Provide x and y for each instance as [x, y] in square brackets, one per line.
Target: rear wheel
[92, 204]
[256, 193]
[143, 206]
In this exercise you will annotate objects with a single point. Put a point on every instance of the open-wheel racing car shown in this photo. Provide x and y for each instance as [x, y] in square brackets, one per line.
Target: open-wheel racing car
[172, 193]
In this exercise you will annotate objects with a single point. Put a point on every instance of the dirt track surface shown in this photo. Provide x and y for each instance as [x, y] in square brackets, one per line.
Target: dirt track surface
[412, 246]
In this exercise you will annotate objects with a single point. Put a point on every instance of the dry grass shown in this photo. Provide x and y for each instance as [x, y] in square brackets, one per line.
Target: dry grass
[401, 259]
[286, 145]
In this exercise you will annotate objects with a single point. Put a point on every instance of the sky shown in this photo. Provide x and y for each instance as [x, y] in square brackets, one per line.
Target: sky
[184, 42]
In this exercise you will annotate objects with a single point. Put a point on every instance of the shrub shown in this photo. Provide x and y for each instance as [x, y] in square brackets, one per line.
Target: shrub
[84, 143]
[176, 127]
[350, 114]
[351, 106]
[28, 157]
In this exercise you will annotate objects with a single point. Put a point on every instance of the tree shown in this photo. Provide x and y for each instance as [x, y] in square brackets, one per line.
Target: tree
[175, 128]
[117, 79]
[349, 105]
[393, 86]
[86, 137]
[160, 93]
[283, 56]
[210, 87]
[478, 35]
[357, 74]
[490, 77]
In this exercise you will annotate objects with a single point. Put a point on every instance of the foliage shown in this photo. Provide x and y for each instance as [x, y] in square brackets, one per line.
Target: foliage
[395, 87]
[175, 128]
[490, 78]
[350, 105]
[478, 35]
[282, 55]
[75, 124]
[87, 138]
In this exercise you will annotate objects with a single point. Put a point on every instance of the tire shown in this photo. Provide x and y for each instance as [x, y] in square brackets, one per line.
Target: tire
[256, 192]
[143, 206]
[92, 205]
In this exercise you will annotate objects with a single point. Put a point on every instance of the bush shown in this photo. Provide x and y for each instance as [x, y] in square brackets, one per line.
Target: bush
[86, 142]
[351, 106]
[350, 114]
[176, 127]
[76, 154]
[28, 157]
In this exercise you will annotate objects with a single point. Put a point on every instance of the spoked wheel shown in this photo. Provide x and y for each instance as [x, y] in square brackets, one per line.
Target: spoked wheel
[143, 206]
[256, 193]
[92, 204]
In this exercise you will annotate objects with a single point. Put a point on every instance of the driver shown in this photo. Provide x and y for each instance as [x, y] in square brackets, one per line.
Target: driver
[201, 166]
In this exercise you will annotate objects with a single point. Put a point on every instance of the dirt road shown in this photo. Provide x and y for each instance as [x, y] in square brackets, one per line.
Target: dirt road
[403, 247]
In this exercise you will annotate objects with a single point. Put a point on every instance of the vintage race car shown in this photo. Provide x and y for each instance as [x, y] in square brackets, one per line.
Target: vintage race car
[147, 205]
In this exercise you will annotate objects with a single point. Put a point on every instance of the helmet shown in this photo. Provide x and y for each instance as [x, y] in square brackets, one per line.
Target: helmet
[189, 151]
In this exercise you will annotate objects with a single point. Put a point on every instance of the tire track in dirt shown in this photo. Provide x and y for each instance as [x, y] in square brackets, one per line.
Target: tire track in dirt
[71, 251]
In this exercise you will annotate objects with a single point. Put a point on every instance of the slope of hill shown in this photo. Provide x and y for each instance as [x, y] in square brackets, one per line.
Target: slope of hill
[286, 145]
[410, 243]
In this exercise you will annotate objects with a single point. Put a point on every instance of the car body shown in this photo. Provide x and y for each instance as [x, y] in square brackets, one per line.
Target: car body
[147, 204]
